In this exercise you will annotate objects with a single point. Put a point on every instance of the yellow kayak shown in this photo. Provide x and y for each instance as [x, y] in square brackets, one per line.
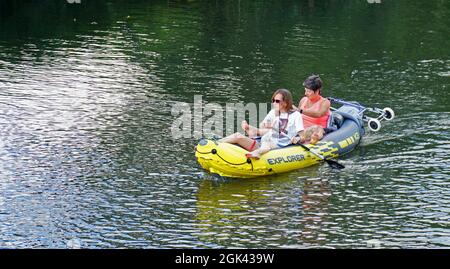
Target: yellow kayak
[228, 160]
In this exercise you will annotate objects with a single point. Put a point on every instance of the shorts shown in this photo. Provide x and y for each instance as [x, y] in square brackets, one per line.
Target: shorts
[256, 144]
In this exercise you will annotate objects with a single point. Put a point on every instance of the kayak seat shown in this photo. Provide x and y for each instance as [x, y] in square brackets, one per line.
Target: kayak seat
[335, 122]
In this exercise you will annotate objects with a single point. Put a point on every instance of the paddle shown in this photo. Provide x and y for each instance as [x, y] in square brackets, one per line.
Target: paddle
[331, 163]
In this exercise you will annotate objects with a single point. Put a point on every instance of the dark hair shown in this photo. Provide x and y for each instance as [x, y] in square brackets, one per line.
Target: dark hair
[287, 97]
[313, 82]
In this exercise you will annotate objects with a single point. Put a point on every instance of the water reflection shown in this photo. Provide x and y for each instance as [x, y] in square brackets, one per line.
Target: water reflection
[316, 197]
[288, 210]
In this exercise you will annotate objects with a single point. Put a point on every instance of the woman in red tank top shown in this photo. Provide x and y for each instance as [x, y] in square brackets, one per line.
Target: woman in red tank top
[314, 108]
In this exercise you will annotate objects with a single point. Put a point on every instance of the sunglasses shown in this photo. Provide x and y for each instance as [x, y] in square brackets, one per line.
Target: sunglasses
[276, 101]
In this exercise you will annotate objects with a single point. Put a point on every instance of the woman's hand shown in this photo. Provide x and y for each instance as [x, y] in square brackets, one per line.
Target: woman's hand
[299, 138]
[295, 139]
[268, 125]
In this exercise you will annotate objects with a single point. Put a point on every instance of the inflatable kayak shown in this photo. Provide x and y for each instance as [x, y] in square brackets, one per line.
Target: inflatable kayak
[228, 160]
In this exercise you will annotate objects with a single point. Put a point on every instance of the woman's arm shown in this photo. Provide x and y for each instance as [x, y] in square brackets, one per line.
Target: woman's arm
[299, 128]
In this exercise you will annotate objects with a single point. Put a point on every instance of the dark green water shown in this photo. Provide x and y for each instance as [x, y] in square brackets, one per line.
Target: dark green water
[87, 157]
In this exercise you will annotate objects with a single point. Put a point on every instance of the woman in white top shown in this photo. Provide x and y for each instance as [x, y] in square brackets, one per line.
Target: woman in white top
[277, 129]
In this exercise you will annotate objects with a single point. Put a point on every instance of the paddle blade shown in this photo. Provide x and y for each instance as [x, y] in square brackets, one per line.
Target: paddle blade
[334, 164]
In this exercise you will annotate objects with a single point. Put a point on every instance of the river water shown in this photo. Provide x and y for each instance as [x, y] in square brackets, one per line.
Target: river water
[87, 158]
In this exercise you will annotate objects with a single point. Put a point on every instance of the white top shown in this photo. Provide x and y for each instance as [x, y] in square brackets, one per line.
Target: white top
[285, 126]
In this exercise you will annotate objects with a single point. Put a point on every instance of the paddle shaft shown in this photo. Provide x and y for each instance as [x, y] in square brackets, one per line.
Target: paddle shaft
[331, 163]
[313, 152]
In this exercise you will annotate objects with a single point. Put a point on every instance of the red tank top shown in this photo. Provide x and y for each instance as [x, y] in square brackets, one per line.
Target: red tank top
[310, 121]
